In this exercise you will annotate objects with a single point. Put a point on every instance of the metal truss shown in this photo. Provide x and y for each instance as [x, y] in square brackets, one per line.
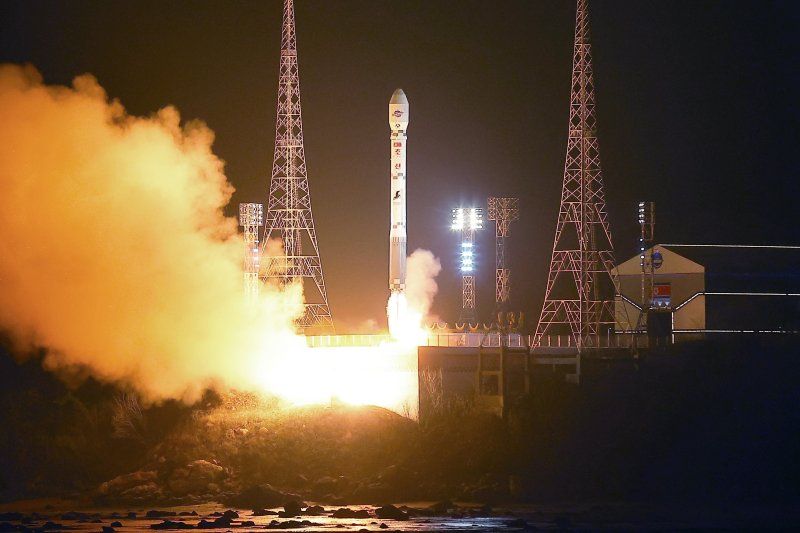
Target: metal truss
[251, 218]
[582, 281]
[289, 206]
[468, 299]
[503, 211]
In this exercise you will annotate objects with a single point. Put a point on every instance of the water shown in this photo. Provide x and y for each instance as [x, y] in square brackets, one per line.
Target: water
[592, 517]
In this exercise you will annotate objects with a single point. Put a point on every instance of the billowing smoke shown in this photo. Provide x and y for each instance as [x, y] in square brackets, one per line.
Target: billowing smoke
[422, 268]
[114, 251]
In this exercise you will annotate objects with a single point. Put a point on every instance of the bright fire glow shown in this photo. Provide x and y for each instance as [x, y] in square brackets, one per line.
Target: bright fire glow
[405, 322]
[385, 376]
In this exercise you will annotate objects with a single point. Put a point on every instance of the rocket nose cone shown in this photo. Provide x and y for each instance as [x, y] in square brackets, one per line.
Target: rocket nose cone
[399, 97]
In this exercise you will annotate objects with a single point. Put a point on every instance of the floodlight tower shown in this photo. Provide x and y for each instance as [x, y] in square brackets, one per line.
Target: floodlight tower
[582, 281]
[289, 215]
[647, 221]
[251, 218]
[467, 220]
[503, 211]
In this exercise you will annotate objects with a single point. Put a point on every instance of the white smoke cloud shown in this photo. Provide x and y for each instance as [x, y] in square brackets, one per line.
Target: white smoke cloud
[422, 268]
[114, 251]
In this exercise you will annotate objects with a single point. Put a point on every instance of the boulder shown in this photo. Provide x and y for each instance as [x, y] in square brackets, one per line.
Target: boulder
[258, 497]
[195, 477]
[289, 524]
[263, 512]
[441, 507]
[390, 512]
[346, 512]
[150, 492]
[169, 524]
[291, 509]
[120, 484]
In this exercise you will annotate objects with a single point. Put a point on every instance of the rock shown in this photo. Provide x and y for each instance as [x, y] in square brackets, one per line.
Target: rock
[222, 522]
[13, 517]
[120, 484]
[325, 484]
[150, 492]
[383, 526]
[346, 512]
[334, 500]
[291, 509]
[315, 510]
[116, 524]
[230, 514]
[131, 515]
[52, 526]
[263, 512]
[289, 524]
[109, 529]
[518, 523]
[376, 492]
[259, 497]
[160, 514]
[481, 512]
[187, 513]
[195, 477]
[169, 524]
[390, 512]
[248, 523]
[441, 507]
[73, 515]
[7, 527]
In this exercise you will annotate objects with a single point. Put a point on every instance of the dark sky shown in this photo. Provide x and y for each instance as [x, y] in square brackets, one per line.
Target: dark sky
[697, 107]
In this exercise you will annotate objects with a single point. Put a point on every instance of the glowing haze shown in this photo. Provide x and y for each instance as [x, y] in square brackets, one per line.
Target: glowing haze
[115, 255]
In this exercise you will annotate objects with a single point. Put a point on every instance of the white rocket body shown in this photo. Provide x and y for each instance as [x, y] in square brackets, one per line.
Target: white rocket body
[398, 123]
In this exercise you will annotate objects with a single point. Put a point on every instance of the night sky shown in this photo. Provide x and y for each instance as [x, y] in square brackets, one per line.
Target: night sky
[697, 109]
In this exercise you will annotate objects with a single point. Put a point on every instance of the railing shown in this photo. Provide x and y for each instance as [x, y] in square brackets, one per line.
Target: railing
[474, 340]
[333, 341]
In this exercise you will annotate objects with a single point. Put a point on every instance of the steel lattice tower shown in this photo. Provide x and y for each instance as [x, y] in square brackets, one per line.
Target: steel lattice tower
[582, 304]
[503, 211]
[289, 206]
[251, 218]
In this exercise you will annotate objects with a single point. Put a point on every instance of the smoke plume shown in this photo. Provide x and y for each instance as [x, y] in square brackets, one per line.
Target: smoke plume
[422, 268]
[115, 254]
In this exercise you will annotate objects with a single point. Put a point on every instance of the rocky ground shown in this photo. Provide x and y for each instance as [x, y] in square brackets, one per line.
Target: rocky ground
[247, 452]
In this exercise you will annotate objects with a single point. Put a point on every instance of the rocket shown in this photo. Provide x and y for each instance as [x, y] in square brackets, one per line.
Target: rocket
[398, 123]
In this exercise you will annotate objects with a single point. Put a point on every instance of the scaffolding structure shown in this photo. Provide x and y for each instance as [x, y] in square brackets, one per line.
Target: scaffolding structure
[289, 217]
[503, 211]
[582, 282]
[251, 218]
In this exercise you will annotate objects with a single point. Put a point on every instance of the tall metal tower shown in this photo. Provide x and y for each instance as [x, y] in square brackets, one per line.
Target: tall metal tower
[503, 211]
[251, 218]
[467, 220]
[582, 282]
[289, 206]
